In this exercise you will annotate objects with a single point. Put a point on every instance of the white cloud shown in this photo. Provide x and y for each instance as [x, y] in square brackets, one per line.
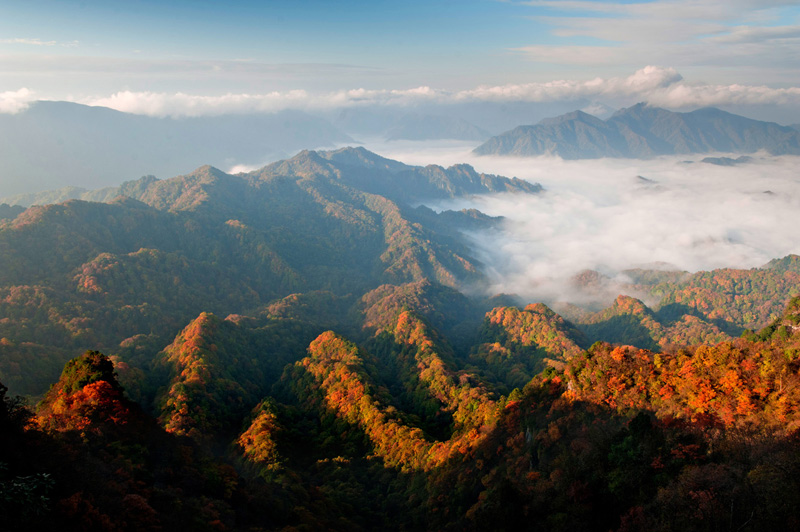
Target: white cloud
[598, 215]
[656, 85]
[12, 102]
[38, 42]
[639, 84]
[181, 104]
[33, 42]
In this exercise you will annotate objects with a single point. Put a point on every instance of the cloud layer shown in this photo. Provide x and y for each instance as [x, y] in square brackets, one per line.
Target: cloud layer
[600, 215]
[657, 85]
[660, 86]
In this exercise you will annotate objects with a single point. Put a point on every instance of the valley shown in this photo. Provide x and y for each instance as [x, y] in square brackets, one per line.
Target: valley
[308, 346]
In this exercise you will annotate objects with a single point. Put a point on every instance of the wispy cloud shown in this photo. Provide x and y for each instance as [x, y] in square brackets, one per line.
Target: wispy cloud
[38, 42]
[44, 64]
[747, 34]
[661, 86]
[682, 33]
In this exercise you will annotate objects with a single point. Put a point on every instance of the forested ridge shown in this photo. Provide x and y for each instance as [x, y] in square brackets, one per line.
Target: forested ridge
[291, 349]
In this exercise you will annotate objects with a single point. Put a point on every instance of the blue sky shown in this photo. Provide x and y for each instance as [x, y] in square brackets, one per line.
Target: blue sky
[91, 50]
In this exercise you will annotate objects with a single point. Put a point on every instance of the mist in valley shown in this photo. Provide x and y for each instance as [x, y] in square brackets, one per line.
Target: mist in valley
[611, 215]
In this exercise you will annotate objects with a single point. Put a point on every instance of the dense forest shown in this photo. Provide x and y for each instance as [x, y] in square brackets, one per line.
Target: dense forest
[302, 348]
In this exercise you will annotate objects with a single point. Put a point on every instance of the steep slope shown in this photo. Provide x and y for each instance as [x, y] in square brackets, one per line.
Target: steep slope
[703, 307]
[575, 135]
[629, 321]
[733, 299]
[128, 275]
[445, 308]
[86, 398]
[784, 327]
[514, 345]
[364, 170]
[357, 168]
[218, 370]
[642, 131]
[95, 461]
[622, 438]
[346, 381]
[83, 274]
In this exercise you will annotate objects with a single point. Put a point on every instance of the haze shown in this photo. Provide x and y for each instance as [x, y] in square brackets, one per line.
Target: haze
[358, 70]
[182, 58]
[599, 214]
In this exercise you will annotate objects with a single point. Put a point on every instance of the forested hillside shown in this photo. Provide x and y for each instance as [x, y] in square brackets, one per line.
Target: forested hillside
[299, 348]
[127, 275]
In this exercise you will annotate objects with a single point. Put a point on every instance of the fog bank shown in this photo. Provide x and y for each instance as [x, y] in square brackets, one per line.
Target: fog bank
[614, 214]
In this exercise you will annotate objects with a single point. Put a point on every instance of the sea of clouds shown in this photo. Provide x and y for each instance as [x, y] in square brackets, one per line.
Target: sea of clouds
[614, 214]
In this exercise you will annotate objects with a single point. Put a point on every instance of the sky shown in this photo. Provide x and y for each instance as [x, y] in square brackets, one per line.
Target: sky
[206, 57]
[200, 57]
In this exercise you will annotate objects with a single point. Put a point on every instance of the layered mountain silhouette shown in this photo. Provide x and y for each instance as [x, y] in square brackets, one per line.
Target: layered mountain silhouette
[642, 131]
[141, 260]
[91, 147]
[304, 347]
[354, 167]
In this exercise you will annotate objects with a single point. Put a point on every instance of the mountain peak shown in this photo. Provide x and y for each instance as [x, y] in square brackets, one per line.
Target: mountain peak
[638, 110]
[360, 156]
[579, 116]
[207, 173]
[87, 369]
[366, 171]
[644, 131]
[305, 164]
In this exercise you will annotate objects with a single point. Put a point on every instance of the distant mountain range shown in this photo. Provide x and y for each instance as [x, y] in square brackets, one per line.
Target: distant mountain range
[338, 221]
[642, 131]
[355, 167]
[288, 349]
[53, 143]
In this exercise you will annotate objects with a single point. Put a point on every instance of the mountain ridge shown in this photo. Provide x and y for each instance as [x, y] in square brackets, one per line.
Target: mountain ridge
[352, 166]
[93, 147]
[643, 131]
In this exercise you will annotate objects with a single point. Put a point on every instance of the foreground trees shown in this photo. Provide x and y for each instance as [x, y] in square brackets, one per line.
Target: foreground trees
[402, 432]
